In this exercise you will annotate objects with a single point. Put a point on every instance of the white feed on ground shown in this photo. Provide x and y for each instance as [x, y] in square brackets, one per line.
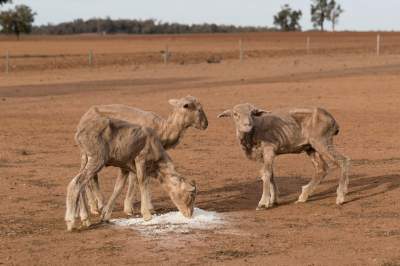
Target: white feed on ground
[173, 222]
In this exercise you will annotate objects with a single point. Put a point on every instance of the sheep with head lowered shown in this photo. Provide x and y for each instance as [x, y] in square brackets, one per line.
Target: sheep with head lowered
[106, 141]
[263, 135]
[187, 112]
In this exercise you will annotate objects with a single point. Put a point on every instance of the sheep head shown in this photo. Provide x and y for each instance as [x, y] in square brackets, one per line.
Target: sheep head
[183, 194]
[242, 115]
[189, 110]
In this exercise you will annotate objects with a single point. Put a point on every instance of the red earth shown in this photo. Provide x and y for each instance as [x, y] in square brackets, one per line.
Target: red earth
[40, 106]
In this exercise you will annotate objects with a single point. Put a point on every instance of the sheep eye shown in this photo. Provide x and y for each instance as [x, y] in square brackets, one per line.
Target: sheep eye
[186, 105]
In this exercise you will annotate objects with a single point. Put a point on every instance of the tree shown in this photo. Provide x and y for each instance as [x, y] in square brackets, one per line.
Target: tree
[319, 13]
[4, 2]
[18, 20]
[288, 19]
[335, 11]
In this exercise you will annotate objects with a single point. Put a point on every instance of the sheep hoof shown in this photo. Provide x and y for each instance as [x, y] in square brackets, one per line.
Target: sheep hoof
[105, 218]
[129, 211]
[147, 216]
[339, 200]
[128, 208]
[263, 207]
[105, 215]
[95, 212]
[70, 225]
[86, 223]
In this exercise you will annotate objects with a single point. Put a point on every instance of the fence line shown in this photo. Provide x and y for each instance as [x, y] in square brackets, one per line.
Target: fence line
[13, 61]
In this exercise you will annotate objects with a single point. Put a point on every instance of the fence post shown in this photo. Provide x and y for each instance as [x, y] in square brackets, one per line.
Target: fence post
[166, 54]
[241, 50]
[378, 44]
[90, 58]
[308, 44]
[7, 62]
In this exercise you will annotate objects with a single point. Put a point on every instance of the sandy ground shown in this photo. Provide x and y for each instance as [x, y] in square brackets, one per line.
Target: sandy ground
[39, 110]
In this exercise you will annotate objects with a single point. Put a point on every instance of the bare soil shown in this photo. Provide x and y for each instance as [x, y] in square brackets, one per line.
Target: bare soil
[40, 107]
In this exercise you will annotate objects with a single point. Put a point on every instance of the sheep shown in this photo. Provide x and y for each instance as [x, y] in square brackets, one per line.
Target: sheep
[187, 112]
[111, 142]
[263, 135]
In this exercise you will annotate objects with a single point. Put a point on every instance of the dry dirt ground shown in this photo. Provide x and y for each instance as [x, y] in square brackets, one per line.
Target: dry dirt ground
[41, 106]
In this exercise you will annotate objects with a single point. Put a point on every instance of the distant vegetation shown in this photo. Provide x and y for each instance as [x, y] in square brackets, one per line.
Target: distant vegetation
[288, 19]
[322, 10]
[19, 20]
[4, 1]
[149, 26]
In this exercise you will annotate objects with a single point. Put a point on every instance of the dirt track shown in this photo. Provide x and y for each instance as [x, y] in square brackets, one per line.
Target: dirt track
[39, 111]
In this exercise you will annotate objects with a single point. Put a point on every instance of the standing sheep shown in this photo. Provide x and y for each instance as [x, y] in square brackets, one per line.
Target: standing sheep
[187, 112]
[111, 142]
[264, 135]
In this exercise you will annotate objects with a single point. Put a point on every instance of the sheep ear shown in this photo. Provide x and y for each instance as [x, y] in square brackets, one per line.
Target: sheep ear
[191, 186]
[226, 113]
[259, 112]
[174, 102]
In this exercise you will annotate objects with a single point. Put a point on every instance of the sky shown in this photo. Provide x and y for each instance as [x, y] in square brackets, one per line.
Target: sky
[360, 15]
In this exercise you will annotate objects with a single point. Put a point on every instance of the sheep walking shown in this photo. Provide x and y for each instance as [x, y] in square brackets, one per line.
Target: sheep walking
[187, 112]
[111, 142]
[263, 135]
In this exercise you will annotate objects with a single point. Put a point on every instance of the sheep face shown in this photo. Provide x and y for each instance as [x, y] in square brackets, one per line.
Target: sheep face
[190, 112]
[183, 195]
[242, 115]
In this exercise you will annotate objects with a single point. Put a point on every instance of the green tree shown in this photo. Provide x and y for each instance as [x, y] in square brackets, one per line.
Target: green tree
[18, 20]
[335, 11]
[288, 19]
[320, 11]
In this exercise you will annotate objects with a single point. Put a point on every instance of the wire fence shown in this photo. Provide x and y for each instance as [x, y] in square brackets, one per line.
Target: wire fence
[174, 52]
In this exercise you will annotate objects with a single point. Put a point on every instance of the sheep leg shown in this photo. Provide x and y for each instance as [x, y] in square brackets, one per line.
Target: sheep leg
[97, 193]
[149, 204]
[273, 191]
[321, 170]
[84, 160]
[72, 201]
[75, 189]
[83, 209]
[143, 181]
[91, 198]
[269, 188]
[94, 196]
[329, 153]
[119, 185]
[130, 195]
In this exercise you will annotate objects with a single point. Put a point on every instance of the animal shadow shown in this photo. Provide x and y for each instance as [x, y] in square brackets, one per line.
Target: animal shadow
[361, 187]
[245, 195]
